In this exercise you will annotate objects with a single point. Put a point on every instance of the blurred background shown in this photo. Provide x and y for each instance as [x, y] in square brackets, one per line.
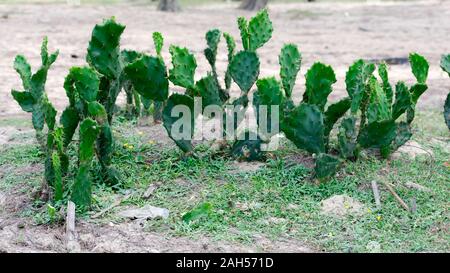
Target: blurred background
[333, 32]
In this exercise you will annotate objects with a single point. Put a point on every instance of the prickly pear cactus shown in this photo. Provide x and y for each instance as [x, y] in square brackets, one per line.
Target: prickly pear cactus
[82, 188]
[347, 138]
[133, 101]
[378, 134]
[259, 30]
[290, 61]
[305, 128]
[183, 67]
[326, 166]
[445, 65]
[34, 98]
[209, 91]
[212, 40]
[319, 81]
[380, 109]
[231, 47]
[244, 69]
[268, 94]
[180, 129]
[158, 41]
[356, 80]
[149, 78]
[104, 56]
[333, 113]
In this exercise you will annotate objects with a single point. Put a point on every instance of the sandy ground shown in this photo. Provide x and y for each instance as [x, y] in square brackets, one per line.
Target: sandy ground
[335, 34]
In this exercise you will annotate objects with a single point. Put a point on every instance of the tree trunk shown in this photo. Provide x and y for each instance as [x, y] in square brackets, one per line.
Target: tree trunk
[253, 4]
[169, 5]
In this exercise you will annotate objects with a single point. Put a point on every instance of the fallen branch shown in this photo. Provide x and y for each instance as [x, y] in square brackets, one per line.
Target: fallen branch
[400, 200]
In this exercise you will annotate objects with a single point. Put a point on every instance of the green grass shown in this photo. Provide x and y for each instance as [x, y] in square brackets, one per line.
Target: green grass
[277, 200]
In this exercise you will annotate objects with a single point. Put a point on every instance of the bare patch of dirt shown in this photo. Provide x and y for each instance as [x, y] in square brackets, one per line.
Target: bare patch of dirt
[300, 158]
[14, 135]
[341, 205]
[245, 167]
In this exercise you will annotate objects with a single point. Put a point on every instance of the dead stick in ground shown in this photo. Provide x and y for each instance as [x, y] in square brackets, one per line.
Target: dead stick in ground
[400, 200]
[376, 194]
[72, 244]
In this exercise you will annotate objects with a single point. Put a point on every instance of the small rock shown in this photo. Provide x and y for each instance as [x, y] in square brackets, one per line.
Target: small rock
[412, 149]
[146, 212]
[292, 207]
[373, 247]
[341, 205]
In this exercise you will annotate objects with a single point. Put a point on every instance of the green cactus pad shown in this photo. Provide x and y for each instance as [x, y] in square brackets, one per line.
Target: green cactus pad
[158, 41]
[319, 81]
[231, 46]
[183, 67]
[38, 117]
[22, 67]
[84, 81]
[290, 61]
[305, 128]
[403, 134]
[47, 60]
[49, 115]
[168, 120]
[209, 91]
[129, 56]
[149, 77]
[417, 90]
[25, 100]
[245, 36]
[387, 88]
[260, 30]
[212, 39]
[378, 134]
[356, 81]
[379, 108]
[56, 164]
[244, 69]
[347, 138]
[403, 100]
[326, 166]
[419, 67]
[82, 188]
[69, 120]
[104, 48]
[268, 94]
[333, 113]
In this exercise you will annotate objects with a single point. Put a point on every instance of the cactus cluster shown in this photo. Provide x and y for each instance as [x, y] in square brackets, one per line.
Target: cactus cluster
[34, 100]
[307, 125]
[380, 115]
[381, 108]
